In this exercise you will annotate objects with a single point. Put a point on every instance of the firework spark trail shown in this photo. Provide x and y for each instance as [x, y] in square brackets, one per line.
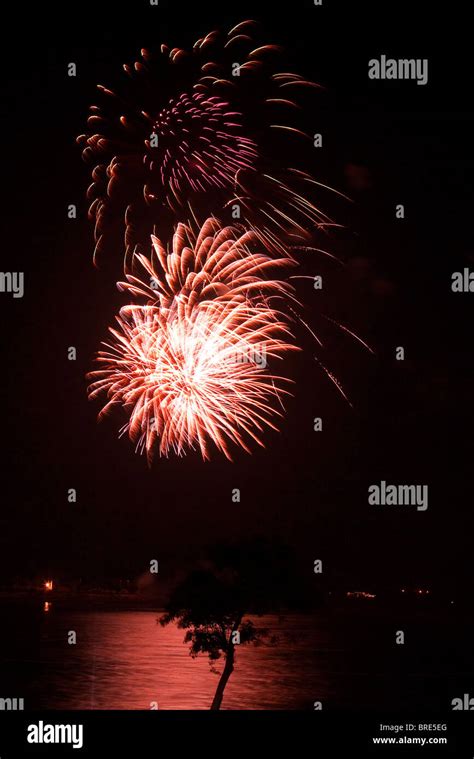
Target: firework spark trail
[199, 145]
[186, 365]
[217, 263]
[188, 125]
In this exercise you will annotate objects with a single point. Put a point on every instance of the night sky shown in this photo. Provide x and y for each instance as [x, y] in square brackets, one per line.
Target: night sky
[411, 421]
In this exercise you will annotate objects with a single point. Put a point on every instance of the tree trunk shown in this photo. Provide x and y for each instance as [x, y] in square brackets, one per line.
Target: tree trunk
[226, 673]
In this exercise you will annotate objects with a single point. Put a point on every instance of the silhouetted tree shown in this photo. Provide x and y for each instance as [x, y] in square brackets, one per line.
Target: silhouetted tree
[235, 581]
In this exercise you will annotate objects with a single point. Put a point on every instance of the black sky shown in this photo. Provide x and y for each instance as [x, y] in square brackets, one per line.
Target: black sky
[411, 421]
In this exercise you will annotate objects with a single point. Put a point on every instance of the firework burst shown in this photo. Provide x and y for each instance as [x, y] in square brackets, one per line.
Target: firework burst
[190, 365]
[187, 124]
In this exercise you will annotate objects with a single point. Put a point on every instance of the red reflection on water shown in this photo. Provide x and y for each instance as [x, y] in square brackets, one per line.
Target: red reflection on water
[124, 660]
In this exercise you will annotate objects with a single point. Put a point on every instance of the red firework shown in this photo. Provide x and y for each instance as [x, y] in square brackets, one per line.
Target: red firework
[191, 123]
[198, 146]
[191, 367]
